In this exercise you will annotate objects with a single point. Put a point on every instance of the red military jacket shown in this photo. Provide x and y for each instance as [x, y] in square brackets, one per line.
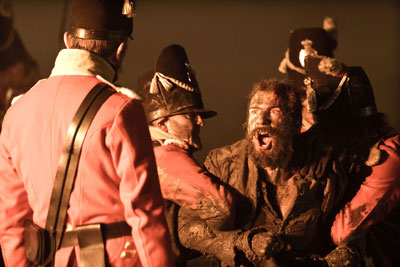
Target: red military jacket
[375, 207]
[116, 178]
[184, 183]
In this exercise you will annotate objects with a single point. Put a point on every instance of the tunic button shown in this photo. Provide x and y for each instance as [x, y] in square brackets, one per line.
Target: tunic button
[129, 245]
[129, 251]
[127, 254]
[123, 255]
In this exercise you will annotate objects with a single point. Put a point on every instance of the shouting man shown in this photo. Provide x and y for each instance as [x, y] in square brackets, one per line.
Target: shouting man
[283, 189]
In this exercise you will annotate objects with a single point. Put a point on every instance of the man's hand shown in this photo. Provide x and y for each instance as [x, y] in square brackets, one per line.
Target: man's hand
[343, 256]
[265, 244]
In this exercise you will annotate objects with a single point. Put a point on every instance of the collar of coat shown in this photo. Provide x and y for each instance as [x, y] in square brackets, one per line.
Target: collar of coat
[165, 138]
[82, 62]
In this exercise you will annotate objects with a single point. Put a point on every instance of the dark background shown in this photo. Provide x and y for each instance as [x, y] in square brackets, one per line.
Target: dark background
[232, 44]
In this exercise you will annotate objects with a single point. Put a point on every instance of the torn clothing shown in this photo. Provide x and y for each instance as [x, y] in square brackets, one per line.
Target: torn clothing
[220, 245]
[304, 229]
[226, 248]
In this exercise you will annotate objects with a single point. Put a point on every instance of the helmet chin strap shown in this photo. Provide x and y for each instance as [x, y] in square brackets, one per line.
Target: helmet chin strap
[166, 138]
[312, 97]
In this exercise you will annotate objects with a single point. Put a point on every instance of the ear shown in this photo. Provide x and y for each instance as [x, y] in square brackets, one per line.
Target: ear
[162, 124]
[120, 50]
[199, 120]
[66, 39]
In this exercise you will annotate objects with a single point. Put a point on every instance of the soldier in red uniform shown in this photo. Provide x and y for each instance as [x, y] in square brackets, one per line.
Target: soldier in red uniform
[342, 101]
[382, 183]
[378, 190]
[175, 113]
[116, 181]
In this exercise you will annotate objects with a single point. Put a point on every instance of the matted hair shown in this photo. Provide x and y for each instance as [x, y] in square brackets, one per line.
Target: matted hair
[289, 95]
[103, 48]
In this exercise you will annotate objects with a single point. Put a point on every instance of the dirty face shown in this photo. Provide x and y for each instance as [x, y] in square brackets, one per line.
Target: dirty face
[268, 130]
[186, 127]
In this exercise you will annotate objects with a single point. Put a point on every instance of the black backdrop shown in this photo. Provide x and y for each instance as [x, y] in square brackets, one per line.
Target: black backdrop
[232, 44]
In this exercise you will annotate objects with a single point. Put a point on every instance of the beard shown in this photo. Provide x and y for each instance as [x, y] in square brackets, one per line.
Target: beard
[279, 152]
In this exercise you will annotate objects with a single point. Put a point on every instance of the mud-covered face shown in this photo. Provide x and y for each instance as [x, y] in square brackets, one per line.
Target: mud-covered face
[186, 127]
[268, 130]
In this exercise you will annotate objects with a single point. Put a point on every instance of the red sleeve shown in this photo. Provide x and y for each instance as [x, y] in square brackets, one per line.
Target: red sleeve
[378, 195]
[132, 152]
[184, 182]
[14, 208]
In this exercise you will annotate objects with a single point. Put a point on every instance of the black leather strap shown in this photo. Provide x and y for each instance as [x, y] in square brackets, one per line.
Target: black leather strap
[68, 163]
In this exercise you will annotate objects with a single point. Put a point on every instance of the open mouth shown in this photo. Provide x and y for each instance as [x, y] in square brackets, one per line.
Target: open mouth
[264, 141]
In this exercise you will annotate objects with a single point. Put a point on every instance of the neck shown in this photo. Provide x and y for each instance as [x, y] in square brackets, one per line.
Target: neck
[273, 174]
[166, 138]
[278, 174]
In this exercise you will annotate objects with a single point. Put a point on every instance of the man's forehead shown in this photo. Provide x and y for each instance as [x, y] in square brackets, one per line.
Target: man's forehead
[267, 98]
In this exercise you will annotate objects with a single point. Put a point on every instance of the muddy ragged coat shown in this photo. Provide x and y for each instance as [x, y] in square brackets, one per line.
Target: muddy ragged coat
[185, 184]
[116, 178]
[305, 229]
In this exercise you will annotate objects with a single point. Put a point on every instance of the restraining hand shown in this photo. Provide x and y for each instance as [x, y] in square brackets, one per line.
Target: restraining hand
[265, 244]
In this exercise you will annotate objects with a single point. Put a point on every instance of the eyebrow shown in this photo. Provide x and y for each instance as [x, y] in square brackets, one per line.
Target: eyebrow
[271, 107]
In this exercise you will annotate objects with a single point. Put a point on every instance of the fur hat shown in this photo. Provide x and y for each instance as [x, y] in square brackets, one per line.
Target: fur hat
[336, 92]
[102, 19]
[308, 41]
[172, 88]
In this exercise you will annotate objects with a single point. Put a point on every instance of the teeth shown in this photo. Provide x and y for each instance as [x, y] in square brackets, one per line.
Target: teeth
[264, 140]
